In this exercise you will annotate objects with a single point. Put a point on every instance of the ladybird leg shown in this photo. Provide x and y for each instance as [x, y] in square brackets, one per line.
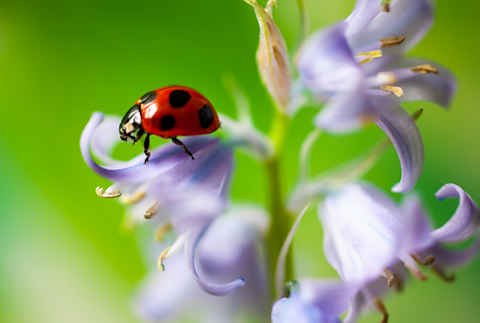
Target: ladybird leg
[185, 149]
[146, 144]
[138, 136]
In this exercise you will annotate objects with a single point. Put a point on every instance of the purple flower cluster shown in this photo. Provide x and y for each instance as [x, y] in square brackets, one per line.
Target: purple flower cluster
[358, 70]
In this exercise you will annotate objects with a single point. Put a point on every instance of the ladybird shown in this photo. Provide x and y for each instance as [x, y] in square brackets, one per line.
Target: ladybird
[169, 112]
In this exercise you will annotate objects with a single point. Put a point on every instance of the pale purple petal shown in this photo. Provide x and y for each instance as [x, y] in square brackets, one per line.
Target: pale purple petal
[331, 297]
[327, 67]
[163, 294]
[416, 234]
[231, 237]
[356, 308]
[402, 130]
[447, 258]
[345, 112]
[199, 192]
[464, 222]
[294, 309]
[193, 236]
[360, 235]
[162, 159]
[362, 15]
[104, 140]
[326, 62]
[192, 207]
[439, 88]
[229, 250]
[409, 18]
[211, 170]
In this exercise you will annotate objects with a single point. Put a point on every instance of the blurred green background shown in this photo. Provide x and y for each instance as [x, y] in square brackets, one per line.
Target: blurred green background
[63, 256]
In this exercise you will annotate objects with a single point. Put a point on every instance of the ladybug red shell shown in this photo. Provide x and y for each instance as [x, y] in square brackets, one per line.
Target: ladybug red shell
[177, 111]
[169, 112]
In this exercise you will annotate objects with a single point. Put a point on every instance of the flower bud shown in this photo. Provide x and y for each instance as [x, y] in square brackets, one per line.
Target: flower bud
[272, 57]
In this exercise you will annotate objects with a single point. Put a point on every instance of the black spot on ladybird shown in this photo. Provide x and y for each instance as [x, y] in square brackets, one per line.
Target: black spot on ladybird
[205, 115]
[167, 122]
[178, 98]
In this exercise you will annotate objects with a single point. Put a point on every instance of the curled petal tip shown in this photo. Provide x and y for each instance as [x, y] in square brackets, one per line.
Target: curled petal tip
[193, 236]
[113, 194]
[465, 221]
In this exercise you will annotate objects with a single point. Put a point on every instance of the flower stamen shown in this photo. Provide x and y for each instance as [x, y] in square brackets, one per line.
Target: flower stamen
[424, 69]
[390, 277]
[128, 199]
[398, 91]
[152, 211]
[428, 261]
[398, 283]
[391, 41]
[417, 114]
[370, 55]
[170, 251]
[107, 194]
[162, 231]
[416, 273]
[443, 276]
[382, 309]
[387, 78]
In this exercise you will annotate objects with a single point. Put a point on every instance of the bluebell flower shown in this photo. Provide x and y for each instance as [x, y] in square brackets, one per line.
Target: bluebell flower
[315, 301]
[367, 236]
[230, 248]
[187, 195]
[356, 66]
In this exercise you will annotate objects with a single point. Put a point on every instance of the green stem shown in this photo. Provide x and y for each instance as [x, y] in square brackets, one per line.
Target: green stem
[281, 221]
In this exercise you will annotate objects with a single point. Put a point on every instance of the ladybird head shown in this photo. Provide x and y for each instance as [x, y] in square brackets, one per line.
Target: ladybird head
[131, 123]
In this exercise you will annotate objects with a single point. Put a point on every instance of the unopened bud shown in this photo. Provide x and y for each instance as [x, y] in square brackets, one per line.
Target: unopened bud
[272, 57]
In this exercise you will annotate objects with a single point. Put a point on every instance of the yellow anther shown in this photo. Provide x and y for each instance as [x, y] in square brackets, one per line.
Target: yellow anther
[386, 7]
[424, 69]
[398, 91]
[417, 114]
[390, 277]
[151, 211]
[370, 55]
[101, 193]
[132, 198]
[391, 41]
[162, 231]
[428, 261]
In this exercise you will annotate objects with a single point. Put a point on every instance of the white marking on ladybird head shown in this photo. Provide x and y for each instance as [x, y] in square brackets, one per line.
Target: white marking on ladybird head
[129, 128]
